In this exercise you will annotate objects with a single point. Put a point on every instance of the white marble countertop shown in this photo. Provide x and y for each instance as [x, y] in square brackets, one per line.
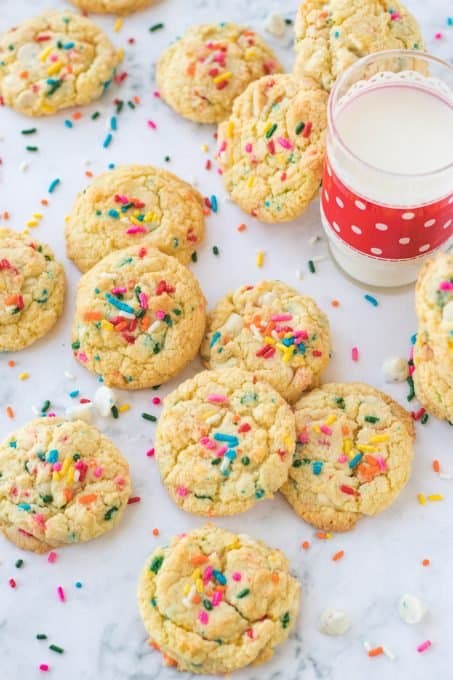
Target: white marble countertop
[99, 625]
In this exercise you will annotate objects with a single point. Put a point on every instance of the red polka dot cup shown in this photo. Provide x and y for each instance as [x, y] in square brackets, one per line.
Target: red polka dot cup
[387, 190]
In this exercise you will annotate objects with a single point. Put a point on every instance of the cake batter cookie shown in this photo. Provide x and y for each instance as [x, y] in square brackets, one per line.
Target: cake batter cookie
[272, 330]
[53, 61]
[433, 352]
[353, 456]
[213, 601]
[202, 73]
[112, 6]
[331, 35]
[140, 318]
[133, 204]
[61, 482]
[225, 440]
[32, 287]
[271, 149]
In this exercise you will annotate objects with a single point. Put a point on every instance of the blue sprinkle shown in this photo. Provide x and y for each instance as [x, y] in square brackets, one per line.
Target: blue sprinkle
[288, 342]
[107, 140]
[113, 213]
[214, 205]
[68, 123]
[215, 338]
[13, 445]
[219, 577]
[118, 304]
[24, 506]
[372, 300]
[74, 394]
[69, 46]
[231, 454]
[53, 185]
[336, 34]
[229, 439]
[111, 166]
[355, 461]
[413, 339]
[259, 493]
[317, 467]
[449, 21]
[52, 456]
[113, 123]
[78, 584]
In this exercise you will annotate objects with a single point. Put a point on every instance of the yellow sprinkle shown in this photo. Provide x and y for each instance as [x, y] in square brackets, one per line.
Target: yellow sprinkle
[134, 220]
[235, 545]
[186, 589]
[24, 376]
[209, 414]
[56, 476]
[150, 217]
[347, 446]
[38, 216]
[270, 340]
[436, 497]
[118, 25]
[365, 448]
[65, 467]
[316, 428]
[199, 585]
[47, 109]
[331, 419]
[54, 68]
[378, 438]
[70, 476]
[123, 408]
[106, 325]
[230, 129]
[196, 574]
[204, 148]
[120, 55]
[250, 182]
[45, 53]
[32, 223]
[26, 232]
[421, 499]
[288, 442]
[223, 76]
[259, 258]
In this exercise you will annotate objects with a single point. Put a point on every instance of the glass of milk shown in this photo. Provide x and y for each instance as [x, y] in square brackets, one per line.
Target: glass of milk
[387, 191]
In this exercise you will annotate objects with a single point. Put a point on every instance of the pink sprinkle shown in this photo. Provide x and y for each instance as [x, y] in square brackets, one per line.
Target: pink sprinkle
[182, 491]
[446, 285]
[223, 147]
[217, 398]
[207, 573]
[249, 632]
[342, 459]
[44, 667]
[150, 453]
[236, 576]
[119, 289]
[143, 300]
[121, 198]
[303, 438]
[208, 443]
[217, 598]
[382, 463]
[248, 148]
[60, 592]
[355, 354]
[438, 36]
[156, 400]
[301, 335]
[98, 472]
[51, 557]
[281, 317]
[325, 429]
[395, 16]
[160, 314]
[203, 617]
[56, 466]
[411, 369]
[424, 646]
[152, 124]
[136, 230]
[221, 451]
[82, 356]
[156, 94]
[285, 143]
[39, 519]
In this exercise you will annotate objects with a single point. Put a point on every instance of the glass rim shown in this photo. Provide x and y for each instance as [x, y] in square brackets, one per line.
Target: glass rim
[340, 81]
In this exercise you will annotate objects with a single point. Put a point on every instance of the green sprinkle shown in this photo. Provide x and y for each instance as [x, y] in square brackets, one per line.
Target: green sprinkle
[57, 649]
[114, 411]
[297, 463]
[54, 85]
[167, 159]
[340, 402]
[154, 601]
[32, 148]
[411, 394]
[41, 636]
[194, 256]
[156, 564]
[243, 593]
[207, 605]
[215, 250]
[45, 407]
[48, 498]
[109, 513]
[95, 115]
[424, 418]
[371, 419]
[29, 131]
[245, 460]
[148, 416]
[216, 461]
[286, 618]
[19, 564]
[311, 266]
[299, 128]
[271, 131]
[131, 104]
[156, 27]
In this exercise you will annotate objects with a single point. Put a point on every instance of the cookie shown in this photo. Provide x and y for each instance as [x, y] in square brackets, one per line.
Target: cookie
[353, 455]
[273, 331]
[32, 288]
[213, 601]
[140, 318]
[202, 73]
[53, 61]
[112, 6]
[61, 482]
[333, 34]
[224, 441]
[433, 351]
[133, 204]
[271, 149]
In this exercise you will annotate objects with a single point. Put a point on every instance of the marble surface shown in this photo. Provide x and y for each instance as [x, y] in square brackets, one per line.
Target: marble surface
[99, 626]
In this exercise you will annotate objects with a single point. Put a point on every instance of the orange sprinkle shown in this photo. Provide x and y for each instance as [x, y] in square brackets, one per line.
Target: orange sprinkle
[344, 430]
[322, 535]
[168, 660]
[196, 599]
[198, 559]
[11, 300]
[68, 68]
[338, 555]
[23, 74]
[335, 303]
[206, 212]
[156, 532]
[88, 498]
[242, 227]
[305, 545]
[436, 466]
[136, 99]
[11, 363]
[426, 562]
[377, 651]
[77, 115]
[9, 412]
[146, 322]
[92, 316]
[275, 577]
[88, 173]
[44, 201]
[190, 70]
[6, 215]
[154, 645]
[68, 494]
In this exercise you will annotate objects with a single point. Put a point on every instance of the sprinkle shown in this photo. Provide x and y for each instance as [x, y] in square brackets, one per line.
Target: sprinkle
[305, 545]
[421, 499]
[435, 497]
[438, 36]
[410, 382]
[424, 418]
[60, 592]
[299, 128]
[203, 617]
[118, 304]
[355, 354]
[151, 124]
[372, 300]
[44, 667]
[243, 593]
[53, 185]
[152, 29]
[41, 636]
[150, 453]
[219, 577]
[29, 131]
[32, 148]
[68, 123]
[215, 250]
[271, 131]
[148, 416]
[376, 651]
[55, 648]
[338, 555]
[78, 584]
[134, 499]
[307, 130]
[214, 205]
[229, 439]
[24, 375]
[118, 25]
[317, 467]
[107, 140]
[323, 536]
[424, 646]
[156, 564]
[285, 143]
[9, 412]
[348, 490]
[311, 266]
[19, 564]
[436, 466]
[124, 408]
[355, 461]
[12, 583]
[259, 258]
[182, 491]
[51, 557]
[426, 562]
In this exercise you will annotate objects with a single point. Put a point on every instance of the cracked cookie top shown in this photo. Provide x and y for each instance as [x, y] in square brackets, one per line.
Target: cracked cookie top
[213, 601]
